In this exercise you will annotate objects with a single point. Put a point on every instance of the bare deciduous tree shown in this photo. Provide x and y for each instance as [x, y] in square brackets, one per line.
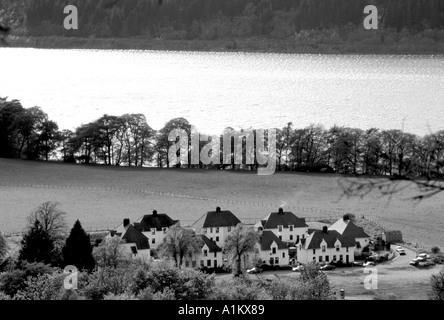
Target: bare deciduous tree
[238, 243]
[51, 219]
[179, 243]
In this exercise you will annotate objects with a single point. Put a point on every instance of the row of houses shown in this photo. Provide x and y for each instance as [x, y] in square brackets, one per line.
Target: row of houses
[284, 238]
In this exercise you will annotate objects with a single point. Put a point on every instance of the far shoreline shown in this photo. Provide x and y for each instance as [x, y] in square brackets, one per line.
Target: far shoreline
[284, 46]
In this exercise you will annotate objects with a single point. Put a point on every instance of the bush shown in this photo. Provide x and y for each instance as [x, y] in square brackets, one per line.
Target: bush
[185, 284]
[437, 290]
[15, 280]
[241, 288]
[436, 250]
[438, 259]
[42, 287]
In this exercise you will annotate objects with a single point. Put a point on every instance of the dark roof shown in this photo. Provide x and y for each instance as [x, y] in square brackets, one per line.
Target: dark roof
[267, 238]
[315, 239]
[349, 230]
[212, 246]
[220, 219]
[154, 221]
[285, 219]
[132, 235]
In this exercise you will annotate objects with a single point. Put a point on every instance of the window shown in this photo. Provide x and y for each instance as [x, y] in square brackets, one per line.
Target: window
[323, 248]
[187, 264]
[153, 240]
[297, 239]
[280, 237]
[217, 230]
[280, 228]
[334, 258]
[327, 258]
[201, 263]
[341, 257]
[153, 232]
[314, 258]
[205, 230]
[164, 230]
[283, 254]
[217, 239]
[291, 228]
[346, 249]
[320, 258]
[291, 237]
[229, 229]
[194, 264]
[215, 254]
[276, 260]
[211, 238]
[205, 253]
[211, 230]
[314, 251]
[273, 250]
[208, 263]
[337, 248]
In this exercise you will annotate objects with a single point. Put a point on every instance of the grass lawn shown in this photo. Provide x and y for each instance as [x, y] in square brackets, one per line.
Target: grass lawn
[102, 196]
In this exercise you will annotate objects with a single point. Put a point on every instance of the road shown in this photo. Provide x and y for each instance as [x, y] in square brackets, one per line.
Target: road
[394, 279]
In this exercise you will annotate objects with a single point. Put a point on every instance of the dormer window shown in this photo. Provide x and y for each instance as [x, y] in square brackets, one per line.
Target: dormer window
[205, 253]
[153, 232]
[273, 250]
[291, 228]
[280, 228]
[337, 247]
[323, 248]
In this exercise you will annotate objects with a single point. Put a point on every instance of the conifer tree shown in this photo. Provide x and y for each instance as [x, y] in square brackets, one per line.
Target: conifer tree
[37, 245]
[78, 249]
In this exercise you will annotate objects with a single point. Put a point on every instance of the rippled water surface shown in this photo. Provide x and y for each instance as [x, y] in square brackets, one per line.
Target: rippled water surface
[216, 90]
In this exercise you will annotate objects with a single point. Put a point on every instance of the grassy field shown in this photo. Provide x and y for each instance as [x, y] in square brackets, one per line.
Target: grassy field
[102, 196]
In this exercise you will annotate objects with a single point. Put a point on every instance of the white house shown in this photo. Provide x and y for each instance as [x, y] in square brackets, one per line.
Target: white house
[155, 227]
[136, 245]
[216, 225]
[351, 232]
[271, 250]
[285, 225]
[325, 246]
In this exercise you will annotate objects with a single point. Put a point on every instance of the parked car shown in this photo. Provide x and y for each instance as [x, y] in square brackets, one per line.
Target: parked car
[401, 251]
[255, 270]
[413, 262]
[369, 263]
[358, 263]
[328, 267]
[298, 268]
[423, 256]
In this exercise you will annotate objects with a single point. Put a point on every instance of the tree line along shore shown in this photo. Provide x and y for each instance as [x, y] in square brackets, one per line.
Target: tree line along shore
[128, 140]
[297, 26]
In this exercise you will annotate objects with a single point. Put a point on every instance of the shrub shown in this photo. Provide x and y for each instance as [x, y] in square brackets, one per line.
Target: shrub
[186, 284]
[438, 259]
[437, 289]
[15, 280]
[240, 288]
[42, 287]
[436, 250]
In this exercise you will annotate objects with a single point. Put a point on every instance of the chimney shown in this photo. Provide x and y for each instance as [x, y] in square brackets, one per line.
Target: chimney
[126, 222]
[281, 211]
[154, 213]
[346, 217]
[325, 229]
[217, 209]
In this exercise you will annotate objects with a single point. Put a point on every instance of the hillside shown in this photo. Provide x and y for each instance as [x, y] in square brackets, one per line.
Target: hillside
[102, 196]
